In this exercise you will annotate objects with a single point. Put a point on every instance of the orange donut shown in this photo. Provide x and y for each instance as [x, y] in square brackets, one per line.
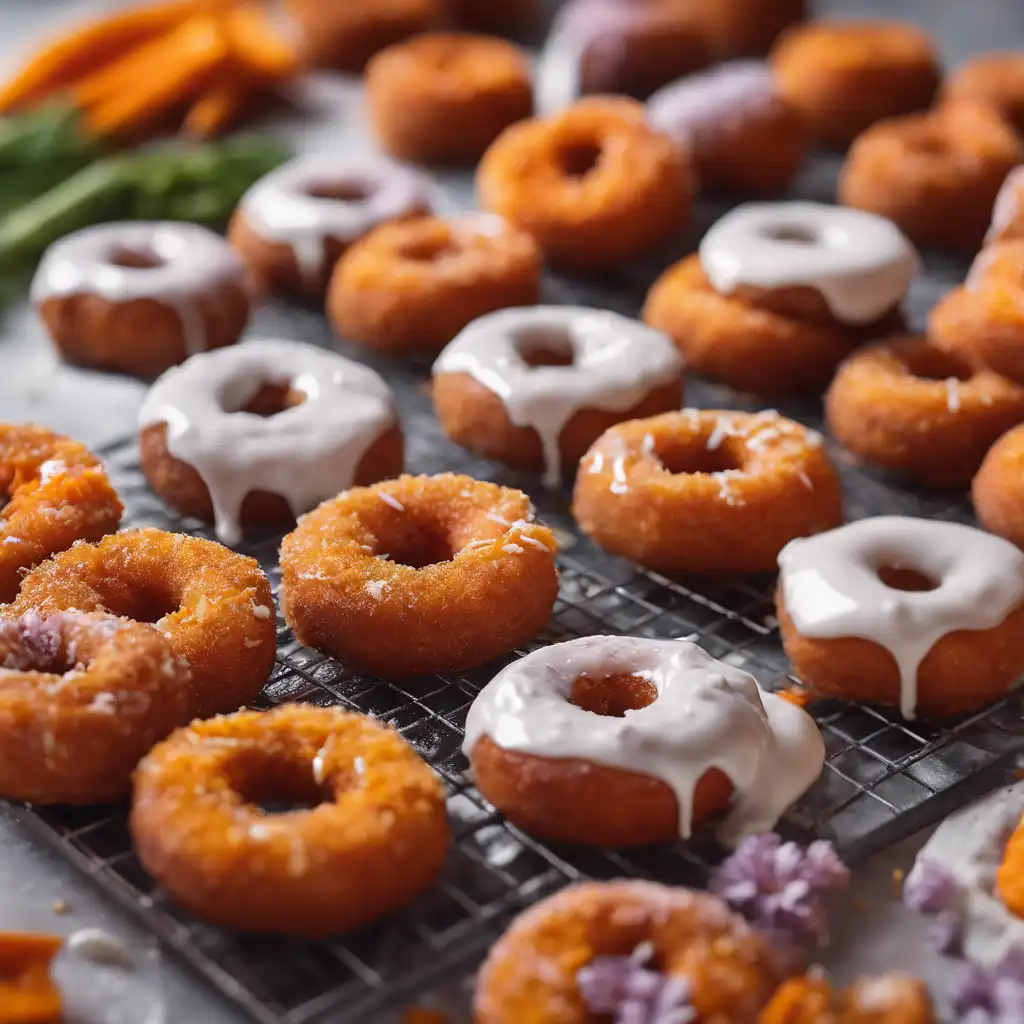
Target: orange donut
[411, 287]
[995, 79]
[884, 999]
[1008, 212]
[595, 185]
[1010, 874]
[28, 993]
[455, 567]
[747, 28]
[531, 973]
[82, 698]
[57, 493]
[373, 838]
[936, 175]
[908, 406]
[715, 493]
[444, 97]
[213, 605]
[998, 489]
[843, 76]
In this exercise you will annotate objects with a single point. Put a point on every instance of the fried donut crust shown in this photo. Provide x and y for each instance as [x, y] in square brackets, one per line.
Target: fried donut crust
[57, 493]
[1010, 873]
[375, 839]
[595, 185]
[998, 488]
[747, 28]
[994, 79]
[908, 406]
[529, 976]
[453, 566]
[28, 993]
[213, 604]
[82, 698]
[706, 492]
[884, 999]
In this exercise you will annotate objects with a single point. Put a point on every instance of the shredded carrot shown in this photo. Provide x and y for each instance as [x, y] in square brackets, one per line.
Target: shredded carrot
[217, 108]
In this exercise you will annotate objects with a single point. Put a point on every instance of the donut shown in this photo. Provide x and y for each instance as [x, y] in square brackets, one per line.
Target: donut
[908, 406]
[373, 838]
[442, 98]
[56, 492]
[1010, 873]
[936, 175]
[881, 999]
[293, 225]
[553, 748]
[995, 79]
[595, 185]
[82, 698]
[533, 973]
[998, 488]
[411, 287]
[502, 17]
[252, 436]
[747, 28]
[454, 566]
[534, 388]
[1007, 222]
[617, 47]
[714, 493]
[212, 604]
[719, 117]
[28, 993]
[843, 76]
[138, 297]
[918, 614]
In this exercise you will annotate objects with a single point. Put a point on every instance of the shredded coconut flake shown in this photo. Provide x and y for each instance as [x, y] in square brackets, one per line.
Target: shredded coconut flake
[261, 611]
[376, 589]
[513, 549]
[393, 502]
[953, 395]
[12, 540]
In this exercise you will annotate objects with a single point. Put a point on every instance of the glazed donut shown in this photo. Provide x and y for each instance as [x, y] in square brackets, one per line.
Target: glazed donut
[879, 999]
[138, 297]
[28, 993]
[252, 436]
[998, 489]
[375, 840]
[936, 175]
[908, 406]
[534, 388]
[617, 47]
[212, 604]
[293, 225]
[719, 117]
[444, 97]
[532, 972]
[412, 287]
[551, 749]
[904, 612]
[747, 28]
[1008, 211]
[714, 493]
[82, 698]
[596, 185]
[455, 567]
[995, 79]
[56, 492]
[843, 76]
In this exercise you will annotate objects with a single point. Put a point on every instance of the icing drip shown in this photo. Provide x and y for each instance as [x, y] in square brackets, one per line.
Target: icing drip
[706, 715]
[306, 453]
[617, 362]
[861, 264]
[831, 587]
[1007, 206]
[190, 261]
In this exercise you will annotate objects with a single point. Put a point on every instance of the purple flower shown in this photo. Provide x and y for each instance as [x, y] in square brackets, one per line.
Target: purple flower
[993, 996]
[946, 935]
[930, 888]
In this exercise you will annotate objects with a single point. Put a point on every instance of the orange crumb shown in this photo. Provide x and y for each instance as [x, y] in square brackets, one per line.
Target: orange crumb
[796, 695]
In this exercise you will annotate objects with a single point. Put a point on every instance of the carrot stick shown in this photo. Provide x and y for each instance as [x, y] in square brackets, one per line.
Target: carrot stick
[217, 108]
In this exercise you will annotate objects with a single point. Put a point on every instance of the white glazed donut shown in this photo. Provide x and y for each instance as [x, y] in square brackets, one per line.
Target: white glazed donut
[306, 453]
[706, 715]
[616, 363]
[861, 264]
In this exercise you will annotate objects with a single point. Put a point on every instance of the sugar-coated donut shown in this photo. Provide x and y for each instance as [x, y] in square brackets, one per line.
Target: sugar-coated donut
[916, 613]
[936, 175]
[138, 297]
[252, 436]
[995, 79]
[747, 28]
[411, 287]
[595, 185]
[455, 567]
[1007, 222]
[715, 493]
[294, 224]
[534, 388]
[909, 406]
[843, 76]
[531, 975]
[998, 489]
[552, 746]
[444, 97]
[719, 117]
[375, 839]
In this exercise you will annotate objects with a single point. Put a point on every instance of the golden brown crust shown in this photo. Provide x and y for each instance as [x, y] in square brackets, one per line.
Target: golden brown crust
[502, 17]
[747, 28]
[995, 79]
[885, 999]
[998, 488]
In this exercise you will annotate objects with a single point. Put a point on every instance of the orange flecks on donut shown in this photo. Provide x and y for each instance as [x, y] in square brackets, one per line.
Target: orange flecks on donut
[28, 995]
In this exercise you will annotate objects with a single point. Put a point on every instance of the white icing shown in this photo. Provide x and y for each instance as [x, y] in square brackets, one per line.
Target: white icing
[99, 947]
[831, 587]
[306, 453]
[617, 362]
[281, 209]
[193, 260]
[1007, 204]
[861, 264]
[706, 715]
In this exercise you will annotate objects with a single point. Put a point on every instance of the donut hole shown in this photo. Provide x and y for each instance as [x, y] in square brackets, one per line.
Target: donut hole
[428, 250]
[270, 400]
[545, 346]
[909, 580]
[612, 696]
[792, 234]
[689, 458]
[928, 363]
[577, 159]
[149, 603]
[134, 258]
[405, 539]
[340, 191]
[275, 784]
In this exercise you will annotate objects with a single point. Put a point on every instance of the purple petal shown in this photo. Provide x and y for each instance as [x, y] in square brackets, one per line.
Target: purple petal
[930, 888]
[946, 935]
